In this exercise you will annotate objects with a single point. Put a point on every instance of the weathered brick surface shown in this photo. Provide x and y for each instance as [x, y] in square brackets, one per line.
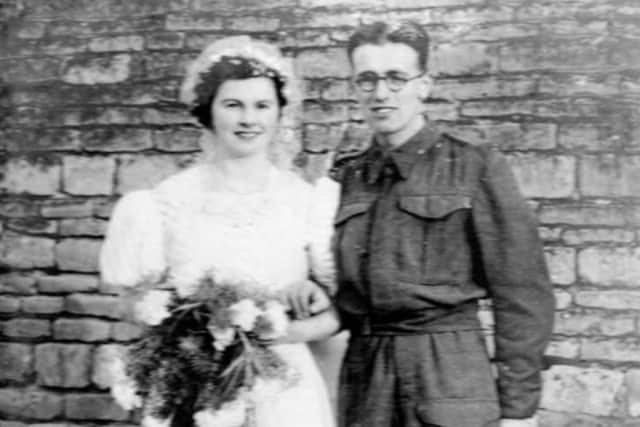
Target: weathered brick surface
[93, 114]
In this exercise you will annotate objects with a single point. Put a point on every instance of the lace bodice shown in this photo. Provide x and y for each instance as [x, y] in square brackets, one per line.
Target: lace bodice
[271, 238]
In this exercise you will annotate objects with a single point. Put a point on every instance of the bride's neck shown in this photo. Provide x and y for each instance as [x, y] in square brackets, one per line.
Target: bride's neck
[241, 174]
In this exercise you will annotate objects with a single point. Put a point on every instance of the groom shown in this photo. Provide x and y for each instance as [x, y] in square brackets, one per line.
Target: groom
[427, 225]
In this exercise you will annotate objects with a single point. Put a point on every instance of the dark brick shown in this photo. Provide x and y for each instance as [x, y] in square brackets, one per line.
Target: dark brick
[27, 328]
[63, 365]
[16, 362]
[84, 329]
[42, 304]
[67, 283]
[93, 407]
[95, 305]
[34, 404]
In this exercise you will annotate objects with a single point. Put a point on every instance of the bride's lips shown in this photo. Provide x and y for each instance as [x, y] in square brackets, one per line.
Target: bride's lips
[382, 111]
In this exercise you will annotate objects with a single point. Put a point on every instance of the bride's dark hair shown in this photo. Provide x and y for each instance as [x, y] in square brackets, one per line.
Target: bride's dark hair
[231, 68]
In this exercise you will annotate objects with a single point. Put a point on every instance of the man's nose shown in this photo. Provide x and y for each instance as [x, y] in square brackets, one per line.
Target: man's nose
[382, 90]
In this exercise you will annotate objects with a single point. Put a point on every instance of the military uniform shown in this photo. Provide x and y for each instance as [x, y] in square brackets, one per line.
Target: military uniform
[422, 232]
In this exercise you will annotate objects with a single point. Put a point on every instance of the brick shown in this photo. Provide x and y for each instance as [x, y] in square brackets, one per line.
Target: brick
[39, 405]
[544, 176]
[95, 305]
[318, 138]
[325, 112]
[204, 22]
[318, 63]
[66, 208]
[15, 283]
[116, 140]
[9, 305]
[103, 208]
[27, 328]
[79, 255]
[594, 324]
[166, 116]
[497, 108]
[18, 207]
[30, 70]
[67, 283]
[16, 362]
[88, 175]
[102, 70]
[482, 87]
[632, 381]
[463, 59]
[42, 304]
[102, 358]
[588, 137]
[568, 348]
[25, 251]
[169, 40]
[83, 329]
[25, 140]
[550, 234]
[579, 84]
[36, 174]
[93, 406]
[610, 266]
[198, 41]
[117, 43]
[253, 23]
[233, 6]
[608, 175]
[518, 56]
[336, 90]
[136, 173]
[124, 331]
[613, 350]
[177, 140]
[487, 31]
[63, 365]
[611, 300]
[624, 52]
[31, 30]
[437, 111]
[83, 227]
[581, 390]
[582, 215]
[508, 136]
[562, 265]
[32, 225]
[599, 235]
[473, 14]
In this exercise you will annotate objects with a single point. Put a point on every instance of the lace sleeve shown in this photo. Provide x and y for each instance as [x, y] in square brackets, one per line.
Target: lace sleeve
[133, 247]
[323, 205]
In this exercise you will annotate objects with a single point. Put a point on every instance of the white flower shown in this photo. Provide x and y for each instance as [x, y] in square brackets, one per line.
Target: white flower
[124, 392]
[265, 389]
[149, 421]
[230, 414]
[152, 308]
[275, 314]
[244, 313]
[222, 337]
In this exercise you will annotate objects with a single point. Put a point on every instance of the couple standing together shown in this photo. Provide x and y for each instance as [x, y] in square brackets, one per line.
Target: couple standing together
[397, 247]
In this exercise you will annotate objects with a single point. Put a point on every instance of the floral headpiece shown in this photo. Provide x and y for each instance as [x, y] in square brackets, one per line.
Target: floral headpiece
[265, 59]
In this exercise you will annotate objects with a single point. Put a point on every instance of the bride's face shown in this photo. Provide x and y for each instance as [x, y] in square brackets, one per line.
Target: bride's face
[245, 116]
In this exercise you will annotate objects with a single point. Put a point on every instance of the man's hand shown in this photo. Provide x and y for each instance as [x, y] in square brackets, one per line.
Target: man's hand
[525, 422]
[306, 299]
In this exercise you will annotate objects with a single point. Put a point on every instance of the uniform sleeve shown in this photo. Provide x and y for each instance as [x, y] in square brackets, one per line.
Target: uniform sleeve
[323, 204]
[515, 272]
[132, 251]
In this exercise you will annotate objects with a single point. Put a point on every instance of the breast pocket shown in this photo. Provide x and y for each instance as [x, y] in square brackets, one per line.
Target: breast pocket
[351, 228]
[437, 227]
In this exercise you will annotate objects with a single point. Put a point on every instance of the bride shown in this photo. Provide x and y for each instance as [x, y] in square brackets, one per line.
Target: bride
[236, 214]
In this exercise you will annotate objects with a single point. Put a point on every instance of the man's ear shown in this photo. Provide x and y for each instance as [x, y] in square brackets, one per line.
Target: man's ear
[424, 89]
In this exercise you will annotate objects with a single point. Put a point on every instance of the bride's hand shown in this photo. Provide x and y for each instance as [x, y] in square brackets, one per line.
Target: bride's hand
[307, 298]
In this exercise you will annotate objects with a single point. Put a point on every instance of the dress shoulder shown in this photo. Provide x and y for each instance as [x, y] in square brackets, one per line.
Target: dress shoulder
[133, 247]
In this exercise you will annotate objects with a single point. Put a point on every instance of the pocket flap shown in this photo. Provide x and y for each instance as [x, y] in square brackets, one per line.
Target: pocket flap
[434, 205]
[459, 413]
[347, 211]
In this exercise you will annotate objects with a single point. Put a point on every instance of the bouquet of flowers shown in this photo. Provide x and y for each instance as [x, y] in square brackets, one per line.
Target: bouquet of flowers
[202, 358]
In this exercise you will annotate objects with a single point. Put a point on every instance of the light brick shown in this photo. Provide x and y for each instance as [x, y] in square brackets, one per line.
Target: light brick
[632, 381]
[9, 305]
[83, 329]
[102, 359]
[83, 227]
[567, 348]
[621, 350]
[95, 305]
[27, 328]
[550, 234]
[610, 266]
[65, 208]
[497, 108]
[136, 173]
[36, 175]
[79, 255]
[183, 22]
[463, 59]
[544, 176]
[42, 304]
[582, 215]
[585, 236]
[563, 299]
[102, 70]
[581, 390]
[253, 23]
[88, 175]
[610, 176]
[93, 406]
[32, 225]
[562, 265]
[125, 331]
[67, 283]
[16, 362]
[39, 405]
[177, 140]
[612, 300]
[117, 43]
[26, 251]
[331, 62]
[170, 40]
[14, 283]
[63, 365]
[594, 324]
[115, 140]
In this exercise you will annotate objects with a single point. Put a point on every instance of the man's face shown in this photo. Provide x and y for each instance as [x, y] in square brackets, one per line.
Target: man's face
[390, 110]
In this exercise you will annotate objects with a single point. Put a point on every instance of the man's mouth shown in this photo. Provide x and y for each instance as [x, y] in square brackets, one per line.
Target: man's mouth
[245, 134]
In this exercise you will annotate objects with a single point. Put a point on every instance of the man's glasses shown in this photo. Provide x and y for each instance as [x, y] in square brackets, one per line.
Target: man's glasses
[368, 80]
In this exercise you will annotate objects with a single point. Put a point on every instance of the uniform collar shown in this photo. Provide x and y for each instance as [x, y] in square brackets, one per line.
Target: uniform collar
[403, 157]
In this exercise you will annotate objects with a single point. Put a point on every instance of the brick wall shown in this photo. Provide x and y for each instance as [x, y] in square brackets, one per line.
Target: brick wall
[88, 112]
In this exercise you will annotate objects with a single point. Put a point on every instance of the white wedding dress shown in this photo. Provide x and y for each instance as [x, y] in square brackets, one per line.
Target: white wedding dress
[272, 238]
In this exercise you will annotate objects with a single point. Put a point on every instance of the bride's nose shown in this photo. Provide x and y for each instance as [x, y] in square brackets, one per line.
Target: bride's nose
[248, 117]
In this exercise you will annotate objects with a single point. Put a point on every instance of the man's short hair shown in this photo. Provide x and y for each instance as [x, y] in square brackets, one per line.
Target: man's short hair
[408, 32]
